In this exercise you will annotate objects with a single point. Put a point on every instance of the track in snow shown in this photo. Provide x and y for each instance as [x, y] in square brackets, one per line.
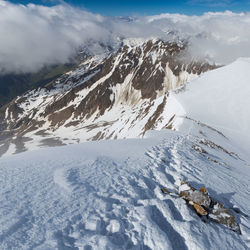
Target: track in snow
[74, 200]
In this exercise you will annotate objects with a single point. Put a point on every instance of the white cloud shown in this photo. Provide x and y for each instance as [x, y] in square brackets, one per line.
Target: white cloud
[33, 36]
[221, 36]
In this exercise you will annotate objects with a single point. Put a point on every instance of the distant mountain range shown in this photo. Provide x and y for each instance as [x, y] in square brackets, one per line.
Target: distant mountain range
[120, 94]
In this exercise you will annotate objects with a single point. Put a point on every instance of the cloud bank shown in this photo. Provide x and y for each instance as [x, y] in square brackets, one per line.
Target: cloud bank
[219, 36]
[34, 36]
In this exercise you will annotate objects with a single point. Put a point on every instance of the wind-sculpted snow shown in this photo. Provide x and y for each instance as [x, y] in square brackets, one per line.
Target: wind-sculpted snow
[107, 194]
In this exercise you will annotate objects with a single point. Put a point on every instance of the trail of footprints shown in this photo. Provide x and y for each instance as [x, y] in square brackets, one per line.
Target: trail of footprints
[130, 215]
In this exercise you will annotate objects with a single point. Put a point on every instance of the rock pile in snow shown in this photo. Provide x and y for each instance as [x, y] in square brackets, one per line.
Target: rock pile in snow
[206, 207]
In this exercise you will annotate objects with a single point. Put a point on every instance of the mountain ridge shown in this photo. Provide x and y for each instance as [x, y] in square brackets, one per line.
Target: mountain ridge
[103, 95]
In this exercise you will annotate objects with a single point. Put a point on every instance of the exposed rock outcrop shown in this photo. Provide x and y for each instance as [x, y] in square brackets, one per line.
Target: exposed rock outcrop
[127, 91]
[205, 206]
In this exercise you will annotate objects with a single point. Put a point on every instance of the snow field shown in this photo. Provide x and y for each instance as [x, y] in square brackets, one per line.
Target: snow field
[220, 98]
[106, 195]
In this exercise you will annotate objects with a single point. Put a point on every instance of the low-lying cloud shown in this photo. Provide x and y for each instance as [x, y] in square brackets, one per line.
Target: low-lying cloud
[34, 36]
[219, 36]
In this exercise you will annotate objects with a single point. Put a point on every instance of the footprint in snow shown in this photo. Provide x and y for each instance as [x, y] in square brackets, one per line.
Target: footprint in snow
[60, 178]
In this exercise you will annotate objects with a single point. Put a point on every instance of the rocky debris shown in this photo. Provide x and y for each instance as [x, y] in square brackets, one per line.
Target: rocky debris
[205, 206]
[206, 126]
[212, 145]
[199, 210]
[164, 191]
[223, 216]
[204, 153]
[199, 149]
[193, 196]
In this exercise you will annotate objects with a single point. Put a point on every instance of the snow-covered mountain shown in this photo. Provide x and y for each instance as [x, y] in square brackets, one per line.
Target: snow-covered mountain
[107, 97]
[126, 194]
[152, 123]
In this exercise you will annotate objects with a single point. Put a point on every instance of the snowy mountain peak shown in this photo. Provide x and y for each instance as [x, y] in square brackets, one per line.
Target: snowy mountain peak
[119, 96]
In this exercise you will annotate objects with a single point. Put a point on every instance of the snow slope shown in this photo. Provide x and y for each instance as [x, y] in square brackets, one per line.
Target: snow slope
[106, 195]
[220, 98]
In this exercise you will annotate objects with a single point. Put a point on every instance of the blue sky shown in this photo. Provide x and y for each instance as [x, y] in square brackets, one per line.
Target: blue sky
[150, 7]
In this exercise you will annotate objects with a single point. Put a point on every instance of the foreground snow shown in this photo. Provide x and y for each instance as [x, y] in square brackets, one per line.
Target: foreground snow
[106, 195]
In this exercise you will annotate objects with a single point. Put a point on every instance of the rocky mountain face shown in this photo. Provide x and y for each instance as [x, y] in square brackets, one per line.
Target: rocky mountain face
[119, 96]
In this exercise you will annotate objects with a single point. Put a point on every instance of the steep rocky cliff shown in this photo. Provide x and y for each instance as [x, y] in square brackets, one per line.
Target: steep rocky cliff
[119, 96]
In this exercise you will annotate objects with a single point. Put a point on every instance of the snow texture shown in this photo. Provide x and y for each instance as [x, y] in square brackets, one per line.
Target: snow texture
[106, 195]
[220, 99]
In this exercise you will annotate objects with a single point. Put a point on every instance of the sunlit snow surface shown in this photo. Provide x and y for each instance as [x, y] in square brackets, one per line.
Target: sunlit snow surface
[106, 194]
[220, 98]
